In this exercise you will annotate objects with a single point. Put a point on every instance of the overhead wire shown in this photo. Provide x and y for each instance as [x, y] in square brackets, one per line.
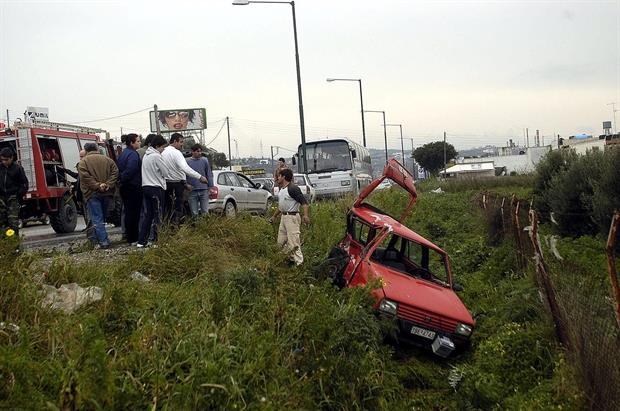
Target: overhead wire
[110, 118]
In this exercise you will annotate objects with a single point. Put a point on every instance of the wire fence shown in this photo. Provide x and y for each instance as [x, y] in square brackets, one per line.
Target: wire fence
[585, 313]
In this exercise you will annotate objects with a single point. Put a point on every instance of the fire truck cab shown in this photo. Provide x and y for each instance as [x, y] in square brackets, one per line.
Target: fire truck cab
[45, 150]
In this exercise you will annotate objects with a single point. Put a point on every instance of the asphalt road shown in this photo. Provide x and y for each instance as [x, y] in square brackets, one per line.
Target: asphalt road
[41, 236]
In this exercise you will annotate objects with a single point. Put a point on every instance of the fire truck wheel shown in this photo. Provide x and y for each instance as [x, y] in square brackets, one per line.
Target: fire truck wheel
[65, 219]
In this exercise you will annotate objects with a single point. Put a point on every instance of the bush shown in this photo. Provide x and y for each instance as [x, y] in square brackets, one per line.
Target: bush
[581, 191]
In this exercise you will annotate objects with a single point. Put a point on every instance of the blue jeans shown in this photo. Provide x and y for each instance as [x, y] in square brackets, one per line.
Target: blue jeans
[97, 208]
[199, 202]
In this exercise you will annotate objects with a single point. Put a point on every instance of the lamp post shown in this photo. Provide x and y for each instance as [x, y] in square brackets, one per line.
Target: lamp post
[359, 80]
[384, 130]
[402, 147]
[301, 105]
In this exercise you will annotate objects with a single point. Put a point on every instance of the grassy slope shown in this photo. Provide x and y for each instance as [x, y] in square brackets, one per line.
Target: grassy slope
[225, 325]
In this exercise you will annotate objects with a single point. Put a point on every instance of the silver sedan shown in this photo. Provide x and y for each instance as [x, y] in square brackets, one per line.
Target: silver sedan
[234, 192]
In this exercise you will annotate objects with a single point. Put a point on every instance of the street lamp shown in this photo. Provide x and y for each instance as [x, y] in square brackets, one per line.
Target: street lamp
[402, 147]
[301, 105]
[384, 130]
[361, 102]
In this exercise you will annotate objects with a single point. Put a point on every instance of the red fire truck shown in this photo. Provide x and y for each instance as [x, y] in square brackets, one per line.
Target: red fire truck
[45, 150]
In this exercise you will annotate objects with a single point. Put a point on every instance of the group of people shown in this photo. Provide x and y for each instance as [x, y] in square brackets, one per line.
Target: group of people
[152, 178]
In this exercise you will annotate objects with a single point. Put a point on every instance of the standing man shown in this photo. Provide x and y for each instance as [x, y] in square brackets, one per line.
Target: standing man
[199, 197]
[98, 178]
[175, 182]
[129, 167]
[154, 174]
[281, 166]
[290, 199]
[13, 186]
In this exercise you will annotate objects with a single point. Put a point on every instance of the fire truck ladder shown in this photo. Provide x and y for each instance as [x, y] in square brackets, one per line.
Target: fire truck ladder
[61, 127]
[24, 156]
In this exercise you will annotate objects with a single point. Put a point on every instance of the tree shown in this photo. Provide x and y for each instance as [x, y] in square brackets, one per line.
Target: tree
[217, 159]
[430, 155]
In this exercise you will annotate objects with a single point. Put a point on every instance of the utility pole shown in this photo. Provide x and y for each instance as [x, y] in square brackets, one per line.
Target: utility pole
[414, 169]
[273, 166]
[445, 160]
[613, 108]
[527, 138]
[156, 119]
[8, 121]
[228, 132]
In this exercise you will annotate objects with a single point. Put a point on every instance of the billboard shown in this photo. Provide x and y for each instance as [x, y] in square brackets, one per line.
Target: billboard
[182, 119]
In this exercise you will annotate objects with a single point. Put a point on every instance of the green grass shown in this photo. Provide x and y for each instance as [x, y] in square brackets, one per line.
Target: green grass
[224, 324]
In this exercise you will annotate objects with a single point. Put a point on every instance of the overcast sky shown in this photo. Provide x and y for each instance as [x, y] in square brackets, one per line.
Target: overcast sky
[482, 71]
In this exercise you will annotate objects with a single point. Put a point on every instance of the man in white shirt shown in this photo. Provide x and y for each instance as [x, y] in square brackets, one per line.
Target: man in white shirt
[178, 170]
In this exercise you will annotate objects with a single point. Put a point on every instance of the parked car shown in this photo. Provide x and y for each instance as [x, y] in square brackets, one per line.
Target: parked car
[234, 192]
[417, 288]
[267, 183]
[303, 182]
[307, 188]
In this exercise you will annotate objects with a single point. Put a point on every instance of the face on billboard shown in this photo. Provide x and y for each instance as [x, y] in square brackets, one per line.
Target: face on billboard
[179, 120]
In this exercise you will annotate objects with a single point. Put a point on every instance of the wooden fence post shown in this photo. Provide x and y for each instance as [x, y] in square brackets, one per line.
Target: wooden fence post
[545, 281]
[611, 262]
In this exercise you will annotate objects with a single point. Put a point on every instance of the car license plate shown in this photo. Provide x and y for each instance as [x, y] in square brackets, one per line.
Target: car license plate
[422, 332]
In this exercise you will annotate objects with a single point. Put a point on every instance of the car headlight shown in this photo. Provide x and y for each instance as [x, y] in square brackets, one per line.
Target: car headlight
[345, 183]
[463, 329]
[388, 306]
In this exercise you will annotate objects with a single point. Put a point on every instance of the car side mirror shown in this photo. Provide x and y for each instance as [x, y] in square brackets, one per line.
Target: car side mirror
[293, 160]
[457, 287]
[259, 186]
[353, 154]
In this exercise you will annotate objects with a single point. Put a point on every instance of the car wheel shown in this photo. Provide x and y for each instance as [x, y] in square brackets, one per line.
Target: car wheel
[333, 268]
[230, 210]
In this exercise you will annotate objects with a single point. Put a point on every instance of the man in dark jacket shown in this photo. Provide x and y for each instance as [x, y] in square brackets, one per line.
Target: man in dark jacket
[129, 165]
[13, 186]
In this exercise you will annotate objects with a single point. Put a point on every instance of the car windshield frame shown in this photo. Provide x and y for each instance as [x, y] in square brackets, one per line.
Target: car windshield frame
[395, 252]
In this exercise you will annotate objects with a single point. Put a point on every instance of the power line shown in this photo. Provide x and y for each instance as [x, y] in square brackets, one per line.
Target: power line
[110, 118]
[216, 136]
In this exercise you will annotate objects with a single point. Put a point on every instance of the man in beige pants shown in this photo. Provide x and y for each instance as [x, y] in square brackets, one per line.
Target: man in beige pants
[290, 200]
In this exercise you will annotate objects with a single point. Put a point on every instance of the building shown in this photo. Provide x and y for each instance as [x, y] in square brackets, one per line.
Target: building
[463, 171]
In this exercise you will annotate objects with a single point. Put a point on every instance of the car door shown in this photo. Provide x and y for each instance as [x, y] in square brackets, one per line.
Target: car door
[237, 191]
[256, 197]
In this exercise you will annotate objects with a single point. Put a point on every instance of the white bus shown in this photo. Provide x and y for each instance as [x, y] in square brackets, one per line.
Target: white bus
[336, 167]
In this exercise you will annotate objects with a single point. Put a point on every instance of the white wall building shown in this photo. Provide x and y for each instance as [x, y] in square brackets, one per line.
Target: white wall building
[519, 163]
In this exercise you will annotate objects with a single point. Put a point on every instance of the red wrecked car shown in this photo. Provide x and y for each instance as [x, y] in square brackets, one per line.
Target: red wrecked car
[417, 288]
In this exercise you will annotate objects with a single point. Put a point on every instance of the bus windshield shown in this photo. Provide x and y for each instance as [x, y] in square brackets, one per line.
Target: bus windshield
[326, 156]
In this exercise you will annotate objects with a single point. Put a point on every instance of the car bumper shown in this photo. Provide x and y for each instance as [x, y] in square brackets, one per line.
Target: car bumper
[404, 334]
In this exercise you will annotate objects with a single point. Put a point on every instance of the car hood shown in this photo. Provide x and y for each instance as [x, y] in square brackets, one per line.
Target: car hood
[422, 294]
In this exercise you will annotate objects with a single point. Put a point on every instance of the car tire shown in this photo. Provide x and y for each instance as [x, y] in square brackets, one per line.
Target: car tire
[65, 219]
[333, 268]
[230, 209]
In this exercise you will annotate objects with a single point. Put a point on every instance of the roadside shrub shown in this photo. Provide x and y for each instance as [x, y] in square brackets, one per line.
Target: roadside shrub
[569, 195]
[555, 162]
[606, 196]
